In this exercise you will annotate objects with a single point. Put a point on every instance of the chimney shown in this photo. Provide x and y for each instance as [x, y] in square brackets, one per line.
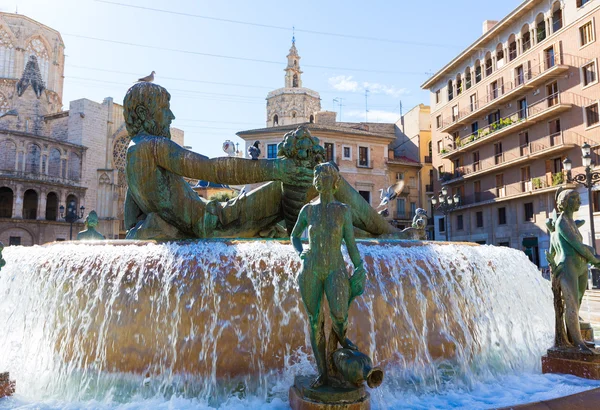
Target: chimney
[326, 117]
[488, 25]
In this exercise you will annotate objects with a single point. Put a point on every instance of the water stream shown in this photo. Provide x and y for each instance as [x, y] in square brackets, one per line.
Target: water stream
[215, 323]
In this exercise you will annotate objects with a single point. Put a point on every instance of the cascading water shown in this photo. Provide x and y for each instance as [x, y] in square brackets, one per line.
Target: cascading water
[214, 322]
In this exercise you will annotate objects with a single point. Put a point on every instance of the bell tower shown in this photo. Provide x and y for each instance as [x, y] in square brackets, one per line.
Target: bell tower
[292, 104]
[293, 75]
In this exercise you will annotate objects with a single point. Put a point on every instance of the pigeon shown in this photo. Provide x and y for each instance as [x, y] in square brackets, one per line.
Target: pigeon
[148, 78]
[391, 193]
[254, 151]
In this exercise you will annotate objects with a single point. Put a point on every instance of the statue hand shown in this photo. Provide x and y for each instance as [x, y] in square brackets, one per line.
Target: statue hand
[290, 173]
[358, 280]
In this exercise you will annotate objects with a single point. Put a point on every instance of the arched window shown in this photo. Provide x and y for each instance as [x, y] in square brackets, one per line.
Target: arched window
[488, 64]
[4, 106]
[512, 47]
[459, 85]
[468, 78]
[295, 81]
[450, 90]
[275, 119]
[499, 56]
[54, 163]
[540, 27]
[8, 155]
[557, 18]
[36, 47]
[32, 163]
[30, 204]
[51, 206]
[293, 114]
[6, 202]
[477, 71]
[525, 38]
[7, 56]
[295, 63]
[74, 166]
[312, 119]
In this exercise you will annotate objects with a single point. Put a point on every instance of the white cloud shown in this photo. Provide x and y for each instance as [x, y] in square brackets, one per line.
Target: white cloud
[374, 115]
[344, 83]
[347, 83]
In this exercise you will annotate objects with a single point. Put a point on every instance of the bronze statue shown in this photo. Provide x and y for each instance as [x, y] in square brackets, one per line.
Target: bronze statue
[568, 258]
[160, 204]
[329, 222]
[90, 233]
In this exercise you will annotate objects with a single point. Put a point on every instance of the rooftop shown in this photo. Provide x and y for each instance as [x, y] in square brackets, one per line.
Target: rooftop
[317, 127]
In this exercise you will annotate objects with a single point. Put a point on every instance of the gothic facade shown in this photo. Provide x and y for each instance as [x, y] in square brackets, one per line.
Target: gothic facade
[50, 157]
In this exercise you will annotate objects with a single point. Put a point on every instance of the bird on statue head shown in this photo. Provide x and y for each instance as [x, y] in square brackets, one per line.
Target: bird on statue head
[390, 193]
[147, 79]
[254, 151]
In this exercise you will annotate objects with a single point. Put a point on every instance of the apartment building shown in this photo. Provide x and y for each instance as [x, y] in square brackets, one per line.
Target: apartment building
[505, 114]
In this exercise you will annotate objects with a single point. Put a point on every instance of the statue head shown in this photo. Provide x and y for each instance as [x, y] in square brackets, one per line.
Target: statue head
[327, 177]
[568, 200]
[147, 109]
[302, 147]
[91, 220]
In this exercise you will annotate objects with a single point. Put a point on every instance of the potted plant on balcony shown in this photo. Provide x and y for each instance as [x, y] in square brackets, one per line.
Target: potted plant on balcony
[536, 182]
[557, 178]
[443, 151]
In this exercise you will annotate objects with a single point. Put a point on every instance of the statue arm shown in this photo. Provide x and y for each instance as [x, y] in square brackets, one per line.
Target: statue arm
[300, 226]
[131, 211]
[363, 215]
[568, 233]
[235, 171]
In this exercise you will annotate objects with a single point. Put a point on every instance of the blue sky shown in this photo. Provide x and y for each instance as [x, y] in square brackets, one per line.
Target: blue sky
[389, 47]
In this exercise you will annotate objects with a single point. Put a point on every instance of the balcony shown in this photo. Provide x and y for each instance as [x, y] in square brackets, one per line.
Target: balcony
[427, 159]
[544, 108]
[405, 216]
[30, 176]
[524, 81]
[551, 144]
[429, 188]
[535, 186]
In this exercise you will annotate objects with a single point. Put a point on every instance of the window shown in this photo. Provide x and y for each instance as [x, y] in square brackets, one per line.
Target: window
[477, 190]
[488, 66]
[437, 96]
[519, 75]
[399, 176]
[473, 102]
[14, 241]
[549, 58]
[442, 225]
[271, 151]
[347, 152]
[454, 113]
[529, 211]
[413, 209]
[557, 19]
[541, 30]
[450, 90]
[438, 121]
[588, 73]
[439, 146]
[586, 34]
[581, 3]
[275, 120]
[468, 79]
[526, 179]
[512, 50]
[526, 39]
[522, 104]
[312, 119]
[474, 127]
[494, 117]
[494, 90]
[502, 216]
[524, 143]
[500, 185]
[477, 72]
[401, 208]
[366, 195]
[476, 164]
[458, 85]
[329, 154]
[479, 219]
[459, 223]
[363, 156]
[591, 114]
[552, 93]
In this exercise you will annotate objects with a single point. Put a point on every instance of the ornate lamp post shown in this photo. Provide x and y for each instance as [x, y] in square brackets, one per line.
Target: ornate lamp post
[72, 216]
[447, 203]
[588, 180]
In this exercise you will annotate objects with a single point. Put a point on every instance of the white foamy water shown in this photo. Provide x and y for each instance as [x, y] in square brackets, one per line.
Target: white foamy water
[211, 324]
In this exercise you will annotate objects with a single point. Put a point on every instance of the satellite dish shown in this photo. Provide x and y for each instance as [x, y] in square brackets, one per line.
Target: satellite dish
[229, 147]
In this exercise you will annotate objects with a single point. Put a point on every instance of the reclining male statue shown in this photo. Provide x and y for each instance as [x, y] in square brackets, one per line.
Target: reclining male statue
[160, 204]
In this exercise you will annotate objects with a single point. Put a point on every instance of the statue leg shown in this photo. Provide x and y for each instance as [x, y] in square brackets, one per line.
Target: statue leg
[582, 286]
[570, 291]
[337, 289]
[311, 289]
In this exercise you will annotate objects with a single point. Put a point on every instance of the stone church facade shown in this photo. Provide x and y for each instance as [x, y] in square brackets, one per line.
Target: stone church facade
[50, 157]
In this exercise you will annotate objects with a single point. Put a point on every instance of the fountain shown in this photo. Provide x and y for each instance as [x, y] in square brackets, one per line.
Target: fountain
[219, 321]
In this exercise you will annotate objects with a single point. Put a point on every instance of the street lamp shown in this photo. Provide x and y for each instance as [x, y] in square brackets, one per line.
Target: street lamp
[447, 203]
[72, 216]
[588, 180]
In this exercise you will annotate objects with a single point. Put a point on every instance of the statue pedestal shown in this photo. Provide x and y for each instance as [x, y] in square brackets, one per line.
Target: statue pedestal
[586, 331]
[572, 361]
[7, 387]
[304, 397]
